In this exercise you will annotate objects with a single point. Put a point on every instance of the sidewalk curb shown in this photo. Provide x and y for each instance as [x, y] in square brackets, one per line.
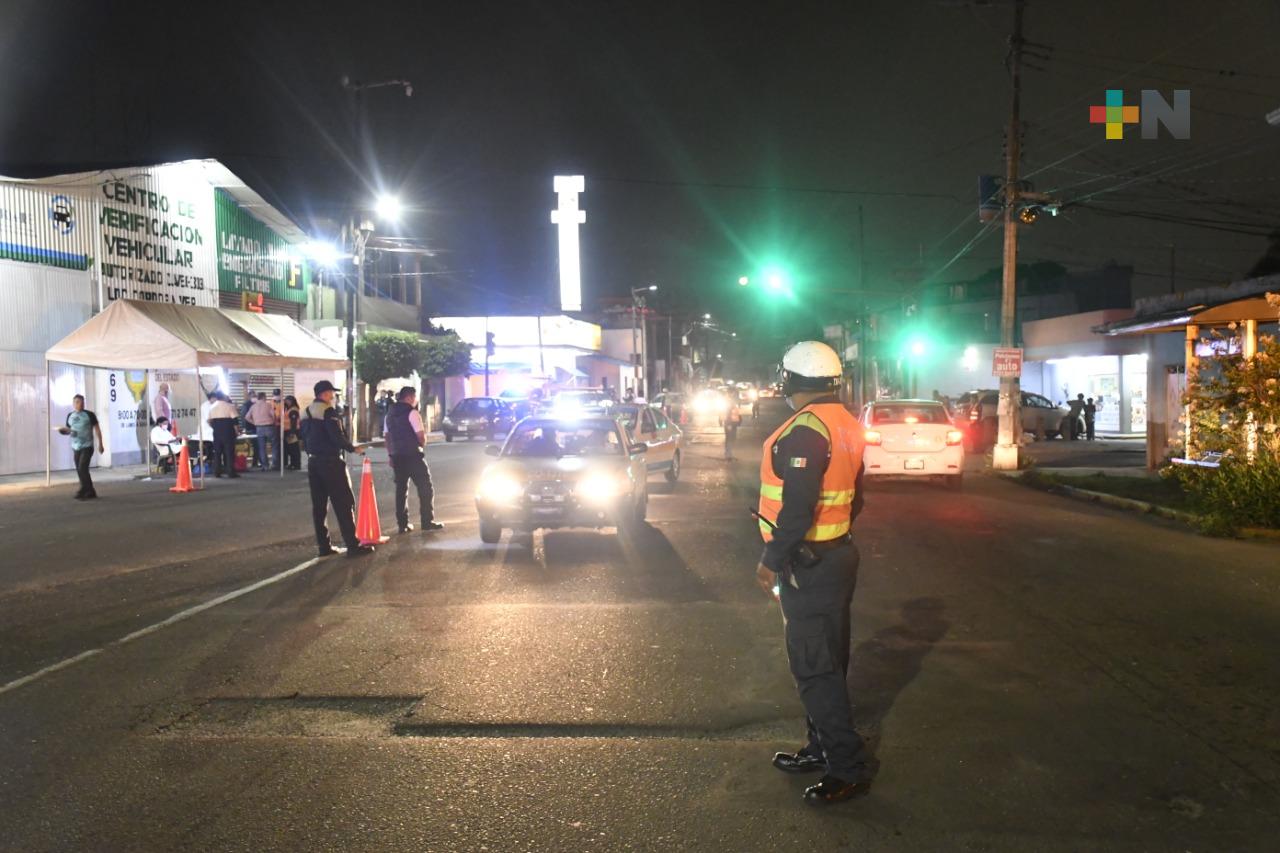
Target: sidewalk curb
[1132, 505]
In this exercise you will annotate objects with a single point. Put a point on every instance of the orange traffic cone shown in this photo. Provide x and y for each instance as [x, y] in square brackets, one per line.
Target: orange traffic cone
[184, 472]
[368, 528]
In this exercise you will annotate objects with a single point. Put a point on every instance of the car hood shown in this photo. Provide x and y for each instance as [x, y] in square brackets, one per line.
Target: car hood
[549, 468]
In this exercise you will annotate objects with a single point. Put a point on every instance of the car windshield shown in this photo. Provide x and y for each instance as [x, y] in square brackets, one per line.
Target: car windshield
[909, 413]
[627, 413]
[542, 439]
[474, 406]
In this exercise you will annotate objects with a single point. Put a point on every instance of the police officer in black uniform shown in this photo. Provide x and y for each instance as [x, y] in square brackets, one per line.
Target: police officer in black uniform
[326, 442]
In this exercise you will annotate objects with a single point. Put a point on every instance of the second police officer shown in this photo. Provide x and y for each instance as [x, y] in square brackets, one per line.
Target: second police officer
[326, 442]
[810, 492]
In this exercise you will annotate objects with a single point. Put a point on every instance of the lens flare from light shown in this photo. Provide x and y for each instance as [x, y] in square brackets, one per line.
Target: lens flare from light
[499, 488]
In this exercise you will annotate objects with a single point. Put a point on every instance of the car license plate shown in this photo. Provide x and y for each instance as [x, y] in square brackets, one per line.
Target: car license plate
[913, 464]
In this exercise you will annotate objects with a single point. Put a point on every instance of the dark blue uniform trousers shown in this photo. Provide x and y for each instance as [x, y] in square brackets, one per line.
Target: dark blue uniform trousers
[816, 626]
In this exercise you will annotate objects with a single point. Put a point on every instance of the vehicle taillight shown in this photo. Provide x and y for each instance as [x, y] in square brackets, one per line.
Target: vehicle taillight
[973, 413]
[911, 419]
[872, 436]
[955, 436]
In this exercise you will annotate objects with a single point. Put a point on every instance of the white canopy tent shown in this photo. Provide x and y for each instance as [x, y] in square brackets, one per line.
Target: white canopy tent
[135, 335]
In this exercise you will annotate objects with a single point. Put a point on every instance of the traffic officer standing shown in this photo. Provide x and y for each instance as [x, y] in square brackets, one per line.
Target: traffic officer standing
[810, 492]
[326, 441]
[406, 438]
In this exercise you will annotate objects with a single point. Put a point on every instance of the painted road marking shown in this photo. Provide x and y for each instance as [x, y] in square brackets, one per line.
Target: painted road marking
[151, 629]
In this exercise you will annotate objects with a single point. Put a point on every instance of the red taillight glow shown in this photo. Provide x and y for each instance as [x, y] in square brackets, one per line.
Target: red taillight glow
[973, 414]
[911, 419]
[954, 437]
[872, 436]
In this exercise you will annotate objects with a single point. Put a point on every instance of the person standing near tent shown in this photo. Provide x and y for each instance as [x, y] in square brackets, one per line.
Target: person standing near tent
[82, 426]
[292, 444]
[222, 420]
[326, 443]
[262, 415]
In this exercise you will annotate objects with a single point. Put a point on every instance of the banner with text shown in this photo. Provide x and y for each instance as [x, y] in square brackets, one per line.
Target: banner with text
[157, 236]
[254, 259]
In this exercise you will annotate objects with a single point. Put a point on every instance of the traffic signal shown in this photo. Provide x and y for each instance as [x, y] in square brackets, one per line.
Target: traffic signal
[252, 302]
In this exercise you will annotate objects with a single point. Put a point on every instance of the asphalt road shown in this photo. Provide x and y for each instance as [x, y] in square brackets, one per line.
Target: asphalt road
[1034, 673]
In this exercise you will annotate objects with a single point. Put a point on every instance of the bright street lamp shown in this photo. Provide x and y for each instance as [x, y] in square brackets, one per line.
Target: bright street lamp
[388, 208]
[706, 316]
[321, 253]
[743, 281]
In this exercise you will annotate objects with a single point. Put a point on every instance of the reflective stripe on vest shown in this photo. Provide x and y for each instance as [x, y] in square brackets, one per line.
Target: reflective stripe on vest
[839, 480]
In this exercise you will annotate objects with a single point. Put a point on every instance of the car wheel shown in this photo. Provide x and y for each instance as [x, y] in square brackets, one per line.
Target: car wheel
[448, 436]
[673, 473]
[955, 482]
[490, 531]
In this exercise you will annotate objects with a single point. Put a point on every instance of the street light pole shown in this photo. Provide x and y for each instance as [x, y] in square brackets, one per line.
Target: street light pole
[1004, 455]
[640, 371]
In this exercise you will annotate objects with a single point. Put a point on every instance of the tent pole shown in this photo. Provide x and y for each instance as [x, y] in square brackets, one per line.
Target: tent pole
[200, 424]
[48, 439]
[280, 417]
[146, 413]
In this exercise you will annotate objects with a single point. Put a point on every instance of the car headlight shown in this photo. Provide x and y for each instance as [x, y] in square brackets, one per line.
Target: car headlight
[499, 488]
[447, 421]
[601, 487]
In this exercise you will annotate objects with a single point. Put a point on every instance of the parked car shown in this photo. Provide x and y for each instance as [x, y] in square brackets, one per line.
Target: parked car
[979, 412]
[487, 417]
[912, 438]
[563, 472]
[650, 426]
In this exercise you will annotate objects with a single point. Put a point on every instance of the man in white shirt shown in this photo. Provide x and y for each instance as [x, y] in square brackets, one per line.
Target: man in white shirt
[406, 437]
[222, 418]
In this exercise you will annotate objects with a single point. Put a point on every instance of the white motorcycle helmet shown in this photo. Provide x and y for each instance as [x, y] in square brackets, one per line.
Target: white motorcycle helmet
[811, 366]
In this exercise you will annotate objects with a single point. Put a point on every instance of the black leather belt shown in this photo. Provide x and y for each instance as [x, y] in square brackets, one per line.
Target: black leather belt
[830, 544]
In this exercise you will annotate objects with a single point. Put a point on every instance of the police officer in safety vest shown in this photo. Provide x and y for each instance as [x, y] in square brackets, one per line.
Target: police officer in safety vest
[810, 492]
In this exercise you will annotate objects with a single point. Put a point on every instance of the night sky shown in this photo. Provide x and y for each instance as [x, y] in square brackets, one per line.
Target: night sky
[715, 138]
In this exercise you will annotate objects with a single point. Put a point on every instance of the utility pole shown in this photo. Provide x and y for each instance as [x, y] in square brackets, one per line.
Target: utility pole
[862, 319]
[1004, 455]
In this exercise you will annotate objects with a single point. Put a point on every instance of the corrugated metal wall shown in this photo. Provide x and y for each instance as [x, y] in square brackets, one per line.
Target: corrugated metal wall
[47, 226]
[38, 306]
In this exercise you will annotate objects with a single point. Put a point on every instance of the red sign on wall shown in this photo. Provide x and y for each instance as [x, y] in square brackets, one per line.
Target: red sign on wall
[1006, 361]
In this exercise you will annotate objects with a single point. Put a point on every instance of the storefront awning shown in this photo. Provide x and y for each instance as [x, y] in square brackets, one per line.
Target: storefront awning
[149, 335]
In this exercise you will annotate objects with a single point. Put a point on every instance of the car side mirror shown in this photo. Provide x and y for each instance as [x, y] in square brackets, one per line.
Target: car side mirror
[493, 450]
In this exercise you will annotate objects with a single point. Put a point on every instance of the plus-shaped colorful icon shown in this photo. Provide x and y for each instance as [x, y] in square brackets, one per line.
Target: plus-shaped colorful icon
[1115, 115]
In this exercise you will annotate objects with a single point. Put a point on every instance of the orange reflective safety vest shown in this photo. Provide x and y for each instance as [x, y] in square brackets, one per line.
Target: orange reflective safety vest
[839, 481]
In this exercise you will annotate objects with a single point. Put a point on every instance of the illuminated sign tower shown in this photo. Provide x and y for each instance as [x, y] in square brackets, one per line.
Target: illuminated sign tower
[568, 217]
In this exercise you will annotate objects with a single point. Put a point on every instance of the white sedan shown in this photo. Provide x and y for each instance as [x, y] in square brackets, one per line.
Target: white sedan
[912, 438]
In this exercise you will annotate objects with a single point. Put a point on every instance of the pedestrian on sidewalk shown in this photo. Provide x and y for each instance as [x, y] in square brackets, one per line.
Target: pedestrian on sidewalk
[406, 439]
[1077, 413]
[327, 475]
[292, 441]
[82, 426]
[245, 425]
[731, 420]
[222, 420]
[262, 415]
[1090, 414]
[810, 493]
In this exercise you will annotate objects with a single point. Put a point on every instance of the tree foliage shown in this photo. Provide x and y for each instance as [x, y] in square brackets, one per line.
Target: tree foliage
[387, 355]
[443, 355]
[1233, 397]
